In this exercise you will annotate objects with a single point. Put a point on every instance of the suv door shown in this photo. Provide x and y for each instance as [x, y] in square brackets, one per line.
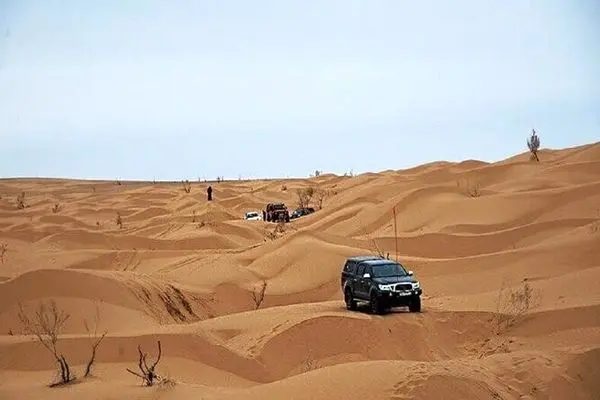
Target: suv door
[358, 287]
[366, 282]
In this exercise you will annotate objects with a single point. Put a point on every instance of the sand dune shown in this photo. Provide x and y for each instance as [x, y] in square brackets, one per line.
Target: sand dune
[183, 270]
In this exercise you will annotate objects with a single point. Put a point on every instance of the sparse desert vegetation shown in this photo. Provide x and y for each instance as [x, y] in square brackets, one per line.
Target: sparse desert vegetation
[3, 250]
[147, 372]
[21, 201]
[513, 305]
[258, 294]
[234, 309]
[46, 324]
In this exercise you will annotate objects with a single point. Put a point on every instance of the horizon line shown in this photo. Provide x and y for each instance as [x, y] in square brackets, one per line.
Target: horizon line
[278, 178]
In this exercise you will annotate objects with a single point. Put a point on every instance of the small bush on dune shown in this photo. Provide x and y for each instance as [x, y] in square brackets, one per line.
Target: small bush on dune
[309, 363]
[304, 196]
[3, 250]
[46, 325]
[258, 295]
[94, 341]
[471, 189]
[278, 230]
[320, 195]
[21, 201]
[513, 304]
[148, 373]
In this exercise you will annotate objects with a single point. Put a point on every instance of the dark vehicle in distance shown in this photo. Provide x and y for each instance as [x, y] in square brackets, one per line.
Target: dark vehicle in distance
[277, 212]
[381, 282]
[300, 212]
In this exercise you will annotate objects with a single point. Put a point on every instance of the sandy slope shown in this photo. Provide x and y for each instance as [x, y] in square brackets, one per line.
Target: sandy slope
[182, 270]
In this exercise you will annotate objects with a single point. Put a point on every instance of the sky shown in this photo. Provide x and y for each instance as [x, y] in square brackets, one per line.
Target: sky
[149, 89]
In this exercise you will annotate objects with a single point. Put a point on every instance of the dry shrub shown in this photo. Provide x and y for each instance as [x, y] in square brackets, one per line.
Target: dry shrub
[469, 188]
[533, 143]
[320, 195]
[283, 187]
[94, 340]
[309, 363]
[513, 304]
[21, 201]
[473, 190]
[119, 220]
[3, 250]
[46, 325]
[187, 186]
[258, 294]
[304, 196]
[147, 373]
[56, 208]
[277, 230]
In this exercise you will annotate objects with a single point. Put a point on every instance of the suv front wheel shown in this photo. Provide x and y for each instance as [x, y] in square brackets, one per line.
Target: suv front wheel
[376, 306]
[415, 304]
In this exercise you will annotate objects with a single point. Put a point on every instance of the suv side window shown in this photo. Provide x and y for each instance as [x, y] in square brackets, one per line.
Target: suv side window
[369, 270]
[361, 270]
[348, 266]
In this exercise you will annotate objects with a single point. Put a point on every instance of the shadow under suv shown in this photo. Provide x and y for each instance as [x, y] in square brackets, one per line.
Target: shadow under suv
[381, 282]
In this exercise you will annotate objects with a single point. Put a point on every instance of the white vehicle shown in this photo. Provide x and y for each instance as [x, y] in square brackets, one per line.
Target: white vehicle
[253, 216]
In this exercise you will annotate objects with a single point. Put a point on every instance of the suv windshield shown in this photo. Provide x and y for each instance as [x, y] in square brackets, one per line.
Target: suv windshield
[388, 270]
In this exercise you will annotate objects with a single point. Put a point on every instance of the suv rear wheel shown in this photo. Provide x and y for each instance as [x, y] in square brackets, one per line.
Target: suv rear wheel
[350, 302]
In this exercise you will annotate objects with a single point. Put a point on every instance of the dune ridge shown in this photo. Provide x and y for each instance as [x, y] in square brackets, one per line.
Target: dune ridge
[183, 270]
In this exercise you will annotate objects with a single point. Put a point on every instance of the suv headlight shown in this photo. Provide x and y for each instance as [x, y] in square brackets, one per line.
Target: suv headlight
[416, 285]
[384, 287]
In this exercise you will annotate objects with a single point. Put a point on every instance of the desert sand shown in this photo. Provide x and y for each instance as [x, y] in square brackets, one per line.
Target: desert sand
[182, 270]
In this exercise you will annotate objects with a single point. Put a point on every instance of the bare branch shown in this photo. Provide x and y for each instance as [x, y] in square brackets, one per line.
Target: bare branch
[46, 327]
[259, 296]
[158, 358]
[94, 340]
[148, 374]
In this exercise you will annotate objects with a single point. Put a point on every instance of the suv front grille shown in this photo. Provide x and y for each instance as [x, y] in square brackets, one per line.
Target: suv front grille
[403, 286]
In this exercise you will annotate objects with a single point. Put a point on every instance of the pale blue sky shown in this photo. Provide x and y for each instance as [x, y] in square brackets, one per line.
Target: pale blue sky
[188, 89]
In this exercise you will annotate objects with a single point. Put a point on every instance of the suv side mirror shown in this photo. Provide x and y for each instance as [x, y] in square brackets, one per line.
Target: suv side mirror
[410, 273]
[367, 275]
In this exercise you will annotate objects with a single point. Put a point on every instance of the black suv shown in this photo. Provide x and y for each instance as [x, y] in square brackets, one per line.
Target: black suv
[300, 212]
[383, 283]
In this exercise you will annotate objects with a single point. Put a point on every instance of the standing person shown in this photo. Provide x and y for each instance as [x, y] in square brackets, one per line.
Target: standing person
[209, 192]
